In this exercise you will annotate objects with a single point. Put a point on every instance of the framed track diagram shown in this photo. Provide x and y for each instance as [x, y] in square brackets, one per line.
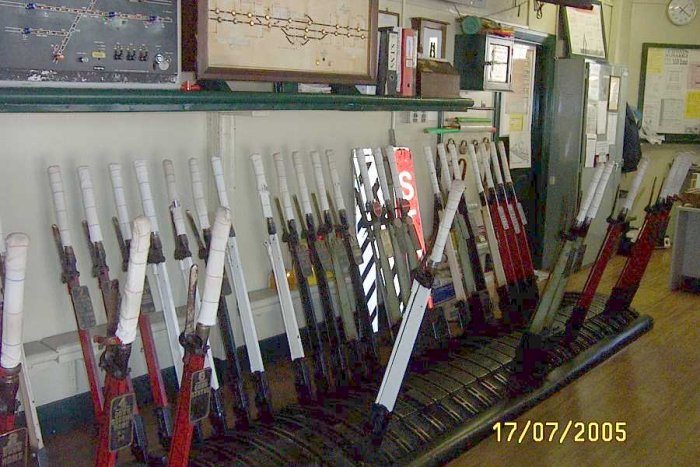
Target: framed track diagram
[332, 41]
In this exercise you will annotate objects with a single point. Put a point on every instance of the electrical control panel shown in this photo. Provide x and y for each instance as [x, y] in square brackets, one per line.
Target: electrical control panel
[485, 62]
[117, 43]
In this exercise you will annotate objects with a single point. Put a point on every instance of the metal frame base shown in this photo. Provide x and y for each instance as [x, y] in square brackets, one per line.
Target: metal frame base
[469, 390]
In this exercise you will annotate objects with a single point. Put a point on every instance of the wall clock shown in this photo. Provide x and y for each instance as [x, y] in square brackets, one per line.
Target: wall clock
[682, 12]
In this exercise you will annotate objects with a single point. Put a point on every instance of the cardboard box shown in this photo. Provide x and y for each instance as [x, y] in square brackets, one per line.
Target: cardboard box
[437, 79]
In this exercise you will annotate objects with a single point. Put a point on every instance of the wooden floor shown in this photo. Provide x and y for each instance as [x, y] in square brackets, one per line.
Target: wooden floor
[653, 386]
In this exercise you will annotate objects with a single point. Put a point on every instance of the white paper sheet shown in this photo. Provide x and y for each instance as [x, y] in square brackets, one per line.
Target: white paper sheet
[602, 118]
[593, 82]
[590, 150]
[672, 77]
[586, 31]
[671, 118]
[602, 148]
[591, 119]
[611, 134]
[520, 150]
[516, 108]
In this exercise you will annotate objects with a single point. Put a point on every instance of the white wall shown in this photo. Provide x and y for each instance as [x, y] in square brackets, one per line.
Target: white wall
[646, 21]
[32, 142]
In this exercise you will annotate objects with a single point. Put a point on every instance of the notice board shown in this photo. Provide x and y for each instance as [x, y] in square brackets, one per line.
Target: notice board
[669, 91]
[517, 107]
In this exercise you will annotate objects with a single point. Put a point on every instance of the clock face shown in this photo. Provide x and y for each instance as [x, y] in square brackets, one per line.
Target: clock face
[682, 12]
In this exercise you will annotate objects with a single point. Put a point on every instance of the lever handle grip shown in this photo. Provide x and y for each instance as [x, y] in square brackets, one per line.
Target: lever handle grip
[215, 267]
[364, 173]
[428, 153]
[283, 187]
[335, 180]
[454, 161]
[149, 208]
[115, 172]
[475, 168]
[444, 168]
[175, 206]
[301, 180]
[381, 174]
[586, 204]
[200, 201]
[132, 292]
[59, 202]
[600, 191]
[686, 160]
[218, 169]
[393, 169]
[263, 190]
[494, 163]
[15, 270]
[455, 194]
[320, 180]
[636, 184]
[170, 182]
[89, 204]
[487, 166]
[504, 162]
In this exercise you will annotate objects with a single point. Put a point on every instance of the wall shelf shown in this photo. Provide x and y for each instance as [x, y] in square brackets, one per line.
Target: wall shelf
[50, 100]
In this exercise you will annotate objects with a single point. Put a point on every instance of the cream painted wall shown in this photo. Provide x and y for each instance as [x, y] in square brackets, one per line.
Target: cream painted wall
[31, 142]
[646, 21]
[502, 10]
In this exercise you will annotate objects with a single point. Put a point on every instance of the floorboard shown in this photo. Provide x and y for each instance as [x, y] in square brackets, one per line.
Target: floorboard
[652, 385]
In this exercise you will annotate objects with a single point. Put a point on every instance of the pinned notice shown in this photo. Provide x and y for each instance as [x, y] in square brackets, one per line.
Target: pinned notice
[655, 61]
[602, 118]
[591, 141]
[612, 128]
[516, 122]
[692, 105]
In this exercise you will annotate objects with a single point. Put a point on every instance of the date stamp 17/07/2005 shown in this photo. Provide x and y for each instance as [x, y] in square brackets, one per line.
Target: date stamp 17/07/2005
[558, 432]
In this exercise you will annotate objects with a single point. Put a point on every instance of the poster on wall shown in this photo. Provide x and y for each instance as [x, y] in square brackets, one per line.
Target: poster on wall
[670, 89]
[584, 31]
[330, 41]
[516, 108]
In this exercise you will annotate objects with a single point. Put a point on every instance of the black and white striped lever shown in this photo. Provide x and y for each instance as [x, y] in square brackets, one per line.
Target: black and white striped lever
[350, 244]
[385, 276]
[393, 224]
